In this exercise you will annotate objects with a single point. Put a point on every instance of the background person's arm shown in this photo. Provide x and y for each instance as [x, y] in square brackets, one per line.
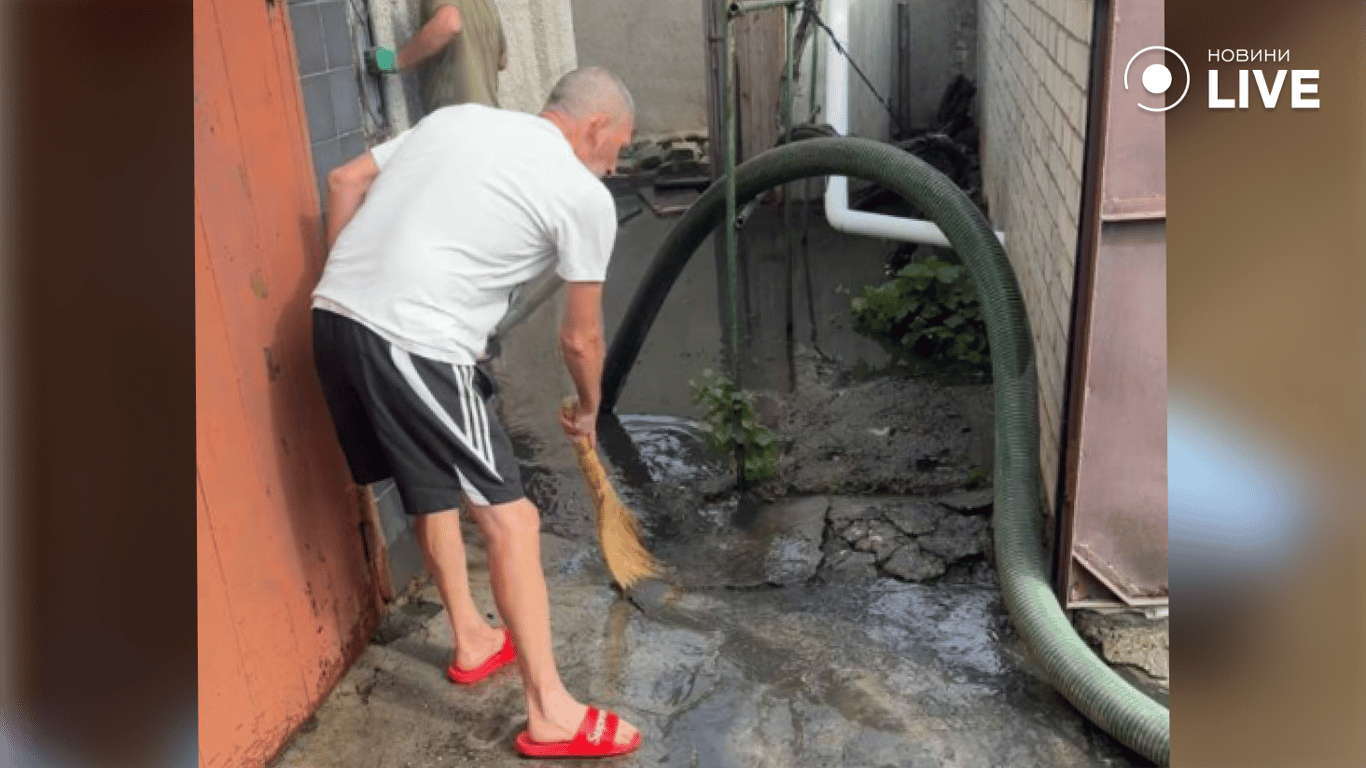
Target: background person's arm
[583, 345]
[436, 34]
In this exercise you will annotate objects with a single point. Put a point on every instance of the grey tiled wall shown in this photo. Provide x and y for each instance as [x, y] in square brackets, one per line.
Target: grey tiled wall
[327, 37]
[346, 113]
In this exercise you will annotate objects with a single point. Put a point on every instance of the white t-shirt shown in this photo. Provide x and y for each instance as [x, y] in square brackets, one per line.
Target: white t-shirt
[469, 204]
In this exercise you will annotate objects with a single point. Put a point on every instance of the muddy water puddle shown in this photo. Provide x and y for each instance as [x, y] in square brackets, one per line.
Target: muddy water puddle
[725, 667]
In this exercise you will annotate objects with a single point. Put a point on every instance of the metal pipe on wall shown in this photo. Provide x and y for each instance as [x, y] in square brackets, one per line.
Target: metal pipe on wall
[732, 245]
[837, 210]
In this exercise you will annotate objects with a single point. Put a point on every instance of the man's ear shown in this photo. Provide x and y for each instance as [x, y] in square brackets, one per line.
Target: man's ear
[598, 126]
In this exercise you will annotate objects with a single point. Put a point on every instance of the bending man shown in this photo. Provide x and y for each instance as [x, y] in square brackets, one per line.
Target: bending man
[429, 233]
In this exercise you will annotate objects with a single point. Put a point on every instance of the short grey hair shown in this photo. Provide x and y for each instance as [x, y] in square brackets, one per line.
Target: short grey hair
[591, 90]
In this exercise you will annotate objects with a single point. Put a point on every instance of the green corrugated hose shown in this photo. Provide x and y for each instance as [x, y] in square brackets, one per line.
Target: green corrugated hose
[1069, 664]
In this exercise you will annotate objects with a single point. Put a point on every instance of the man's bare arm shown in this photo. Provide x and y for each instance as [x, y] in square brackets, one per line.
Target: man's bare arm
[436, 34]
[581, 341]
[346, 188]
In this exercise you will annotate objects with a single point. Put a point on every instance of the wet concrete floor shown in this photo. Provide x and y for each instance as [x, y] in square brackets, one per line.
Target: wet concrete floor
[828, 672]
[863, 673]
[761, 647]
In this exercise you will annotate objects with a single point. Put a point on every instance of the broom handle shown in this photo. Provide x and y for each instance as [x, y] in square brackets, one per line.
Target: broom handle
[589, 465]
[614, 522]
[571, 404]
[580, 444]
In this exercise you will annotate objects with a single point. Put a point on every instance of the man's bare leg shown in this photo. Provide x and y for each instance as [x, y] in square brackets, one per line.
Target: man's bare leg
[444, 550]
[513, 533]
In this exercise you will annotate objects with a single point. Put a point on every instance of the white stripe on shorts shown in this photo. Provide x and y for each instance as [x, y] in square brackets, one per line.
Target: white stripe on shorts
[404, 363]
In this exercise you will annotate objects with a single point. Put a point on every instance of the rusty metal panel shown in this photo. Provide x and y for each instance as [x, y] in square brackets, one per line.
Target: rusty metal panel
[1119, 499]
[286, 594]
[1134, 181]
[1113, 525]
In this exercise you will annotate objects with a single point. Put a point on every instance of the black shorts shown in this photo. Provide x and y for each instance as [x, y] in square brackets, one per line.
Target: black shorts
[425, 423]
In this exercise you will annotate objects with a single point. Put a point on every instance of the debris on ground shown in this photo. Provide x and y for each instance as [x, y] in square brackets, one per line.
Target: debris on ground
[1129, 638]
[950, 145]
[668, 172]
[927, 450]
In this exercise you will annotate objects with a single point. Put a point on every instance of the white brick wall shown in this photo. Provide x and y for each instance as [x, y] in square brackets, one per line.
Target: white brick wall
[1034, 64]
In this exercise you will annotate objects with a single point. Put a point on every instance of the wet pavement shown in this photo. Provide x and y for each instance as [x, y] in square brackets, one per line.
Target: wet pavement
[735, 659]
[833, 625]
[863, 673]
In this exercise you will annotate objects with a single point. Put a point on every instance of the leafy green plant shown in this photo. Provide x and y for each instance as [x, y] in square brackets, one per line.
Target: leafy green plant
[929, 309]
[733, 429]
[977, 478]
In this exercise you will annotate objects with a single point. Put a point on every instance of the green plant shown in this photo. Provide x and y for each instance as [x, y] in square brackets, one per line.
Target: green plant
[733, 429]
[929, 309]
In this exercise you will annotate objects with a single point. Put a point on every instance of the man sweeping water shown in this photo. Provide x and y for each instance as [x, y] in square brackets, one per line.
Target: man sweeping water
[429, 233]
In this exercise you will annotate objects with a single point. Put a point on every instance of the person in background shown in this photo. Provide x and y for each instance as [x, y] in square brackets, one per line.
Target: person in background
[457, 54]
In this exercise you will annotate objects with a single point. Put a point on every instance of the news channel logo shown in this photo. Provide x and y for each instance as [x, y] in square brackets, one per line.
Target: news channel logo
[1157, 77]
[1259, 80]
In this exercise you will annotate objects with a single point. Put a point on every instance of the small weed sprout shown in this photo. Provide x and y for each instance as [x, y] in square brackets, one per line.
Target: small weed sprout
[733, 429]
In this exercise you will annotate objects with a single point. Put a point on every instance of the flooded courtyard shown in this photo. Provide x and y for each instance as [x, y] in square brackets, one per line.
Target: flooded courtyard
[844, 613]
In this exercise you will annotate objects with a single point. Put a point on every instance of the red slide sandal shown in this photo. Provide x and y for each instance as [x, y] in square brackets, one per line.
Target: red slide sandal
[497, 661]
[596, 738]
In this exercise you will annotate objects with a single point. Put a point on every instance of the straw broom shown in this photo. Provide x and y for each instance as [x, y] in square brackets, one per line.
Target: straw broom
[618, 528]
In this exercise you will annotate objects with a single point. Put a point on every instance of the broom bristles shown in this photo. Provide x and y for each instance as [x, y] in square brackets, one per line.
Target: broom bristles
[627, 559]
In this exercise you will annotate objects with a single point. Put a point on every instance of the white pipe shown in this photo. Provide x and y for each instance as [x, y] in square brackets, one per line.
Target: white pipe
[837, 191]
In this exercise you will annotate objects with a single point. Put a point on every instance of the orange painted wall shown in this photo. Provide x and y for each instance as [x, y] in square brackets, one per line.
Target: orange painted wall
[286, 597]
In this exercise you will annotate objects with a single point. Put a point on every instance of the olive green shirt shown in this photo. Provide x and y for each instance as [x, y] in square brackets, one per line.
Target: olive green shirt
[466, 70]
